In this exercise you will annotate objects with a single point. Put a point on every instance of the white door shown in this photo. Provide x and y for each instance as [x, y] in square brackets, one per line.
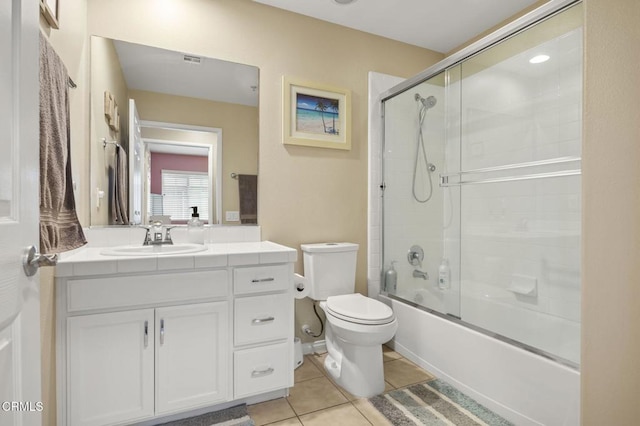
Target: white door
[136, 163]
[110, 367]
[19, 213]
[191, 356]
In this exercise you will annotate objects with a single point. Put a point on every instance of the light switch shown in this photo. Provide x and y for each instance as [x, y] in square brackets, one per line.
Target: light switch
[232, 216]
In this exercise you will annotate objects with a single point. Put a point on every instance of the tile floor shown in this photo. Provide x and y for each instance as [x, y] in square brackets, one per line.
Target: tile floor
[316, 400]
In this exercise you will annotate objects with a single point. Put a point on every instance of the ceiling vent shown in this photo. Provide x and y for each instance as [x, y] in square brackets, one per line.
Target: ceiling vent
[189, 59]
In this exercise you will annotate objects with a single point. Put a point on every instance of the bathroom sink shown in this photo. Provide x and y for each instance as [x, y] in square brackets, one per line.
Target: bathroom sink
[153, 250]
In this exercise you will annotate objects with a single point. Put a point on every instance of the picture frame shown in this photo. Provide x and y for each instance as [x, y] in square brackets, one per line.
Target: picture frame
[49, 10]
[316, 115]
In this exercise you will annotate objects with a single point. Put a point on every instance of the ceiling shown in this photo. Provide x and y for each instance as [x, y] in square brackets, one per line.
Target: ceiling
[439, 25]
[165, 71]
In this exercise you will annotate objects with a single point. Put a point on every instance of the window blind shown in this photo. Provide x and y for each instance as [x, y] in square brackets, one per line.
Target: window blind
[182, 190]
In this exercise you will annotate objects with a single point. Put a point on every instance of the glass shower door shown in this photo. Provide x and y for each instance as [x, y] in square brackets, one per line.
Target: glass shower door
[520, 187]
[481, 202]
[418, 215]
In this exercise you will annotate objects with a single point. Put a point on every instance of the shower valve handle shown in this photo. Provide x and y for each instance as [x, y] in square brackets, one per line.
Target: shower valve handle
[415, 256]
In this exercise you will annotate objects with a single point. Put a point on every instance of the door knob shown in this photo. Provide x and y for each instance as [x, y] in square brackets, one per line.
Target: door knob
[32, 260]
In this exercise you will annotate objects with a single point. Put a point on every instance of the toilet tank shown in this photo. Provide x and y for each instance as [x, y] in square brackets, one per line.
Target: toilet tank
[330, 268]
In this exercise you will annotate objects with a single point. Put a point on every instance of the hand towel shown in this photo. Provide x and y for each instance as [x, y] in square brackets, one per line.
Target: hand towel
[60, 229]
[248, 191]
[120, 189]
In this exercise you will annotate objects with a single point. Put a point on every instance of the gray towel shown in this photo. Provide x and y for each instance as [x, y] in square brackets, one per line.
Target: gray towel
[119, 190]
[248, 187]
[60, 229]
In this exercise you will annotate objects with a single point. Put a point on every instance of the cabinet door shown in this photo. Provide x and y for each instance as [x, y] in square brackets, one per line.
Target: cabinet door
[110, 362]
[192, 348]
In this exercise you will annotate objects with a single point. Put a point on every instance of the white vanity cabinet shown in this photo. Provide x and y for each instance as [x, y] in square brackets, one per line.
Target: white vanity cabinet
[144, 346]
[111, 378]
[263, 318]
[133, 364]
[191, 356]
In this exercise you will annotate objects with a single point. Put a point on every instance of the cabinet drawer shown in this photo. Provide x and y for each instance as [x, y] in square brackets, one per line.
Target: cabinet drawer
[261, 279]
[262, 318]
[125, 291]
[262, 369]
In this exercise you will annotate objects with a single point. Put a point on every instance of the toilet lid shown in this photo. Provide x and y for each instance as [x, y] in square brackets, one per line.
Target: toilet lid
[359, 309]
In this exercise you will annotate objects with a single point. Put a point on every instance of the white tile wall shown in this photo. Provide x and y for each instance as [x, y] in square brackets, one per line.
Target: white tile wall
[511, 113]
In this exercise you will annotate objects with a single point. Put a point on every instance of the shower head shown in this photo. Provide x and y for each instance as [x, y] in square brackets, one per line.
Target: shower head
[428, 102]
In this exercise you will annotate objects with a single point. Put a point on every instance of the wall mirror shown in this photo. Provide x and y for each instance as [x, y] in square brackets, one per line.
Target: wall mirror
[171, 130]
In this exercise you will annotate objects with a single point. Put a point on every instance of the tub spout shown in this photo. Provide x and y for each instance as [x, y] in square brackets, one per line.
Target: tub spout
[420, 274]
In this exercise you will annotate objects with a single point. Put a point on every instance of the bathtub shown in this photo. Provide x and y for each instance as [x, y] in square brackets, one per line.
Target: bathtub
[521, 386]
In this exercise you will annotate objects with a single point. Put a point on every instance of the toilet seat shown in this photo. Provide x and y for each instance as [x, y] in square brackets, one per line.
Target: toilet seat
[359, 309]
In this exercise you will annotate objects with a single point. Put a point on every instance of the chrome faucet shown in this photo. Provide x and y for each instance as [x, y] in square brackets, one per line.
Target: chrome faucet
[161, 234]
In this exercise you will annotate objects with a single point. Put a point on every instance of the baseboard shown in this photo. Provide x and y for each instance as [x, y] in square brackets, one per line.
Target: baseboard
[319, 346]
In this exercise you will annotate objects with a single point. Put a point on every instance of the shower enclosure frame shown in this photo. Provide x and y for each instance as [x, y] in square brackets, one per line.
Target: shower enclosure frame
[517, 26]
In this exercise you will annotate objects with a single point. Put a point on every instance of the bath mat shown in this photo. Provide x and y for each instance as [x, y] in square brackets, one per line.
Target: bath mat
[234, 416]
[433, 403]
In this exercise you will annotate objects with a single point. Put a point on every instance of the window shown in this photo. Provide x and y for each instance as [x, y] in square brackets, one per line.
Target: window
[182, 190]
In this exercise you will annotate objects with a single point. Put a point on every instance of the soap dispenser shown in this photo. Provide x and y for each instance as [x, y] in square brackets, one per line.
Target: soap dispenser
[195, 228]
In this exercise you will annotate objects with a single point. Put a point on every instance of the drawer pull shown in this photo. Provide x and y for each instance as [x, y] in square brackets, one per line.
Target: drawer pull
[258, 321]
[262, 280]
[146, 334]
[262, 373]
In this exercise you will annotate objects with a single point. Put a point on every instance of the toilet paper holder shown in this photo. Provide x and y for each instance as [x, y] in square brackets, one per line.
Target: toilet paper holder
[300, 286]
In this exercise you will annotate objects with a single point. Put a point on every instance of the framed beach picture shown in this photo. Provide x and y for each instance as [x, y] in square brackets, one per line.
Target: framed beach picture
[316, 115]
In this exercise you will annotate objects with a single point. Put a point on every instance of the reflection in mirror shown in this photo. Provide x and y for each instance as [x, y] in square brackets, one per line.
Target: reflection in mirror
[163, 115]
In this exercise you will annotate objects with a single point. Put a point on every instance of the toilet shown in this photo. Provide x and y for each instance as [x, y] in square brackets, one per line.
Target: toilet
[356, 326]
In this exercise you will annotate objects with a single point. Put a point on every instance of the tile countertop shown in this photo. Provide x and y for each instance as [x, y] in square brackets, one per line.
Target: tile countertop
[89, 261]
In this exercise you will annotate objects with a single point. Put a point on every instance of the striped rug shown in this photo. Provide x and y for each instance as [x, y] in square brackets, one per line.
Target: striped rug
[433, 403]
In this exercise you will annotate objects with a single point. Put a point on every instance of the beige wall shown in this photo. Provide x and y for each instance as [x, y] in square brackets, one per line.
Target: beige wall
[296, 182]
[497, 26]
[239, 124]
[611, 214]
[106, 75]
[305, 194]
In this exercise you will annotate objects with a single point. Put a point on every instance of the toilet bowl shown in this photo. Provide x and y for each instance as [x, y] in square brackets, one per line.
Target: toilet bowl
[356, 328]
